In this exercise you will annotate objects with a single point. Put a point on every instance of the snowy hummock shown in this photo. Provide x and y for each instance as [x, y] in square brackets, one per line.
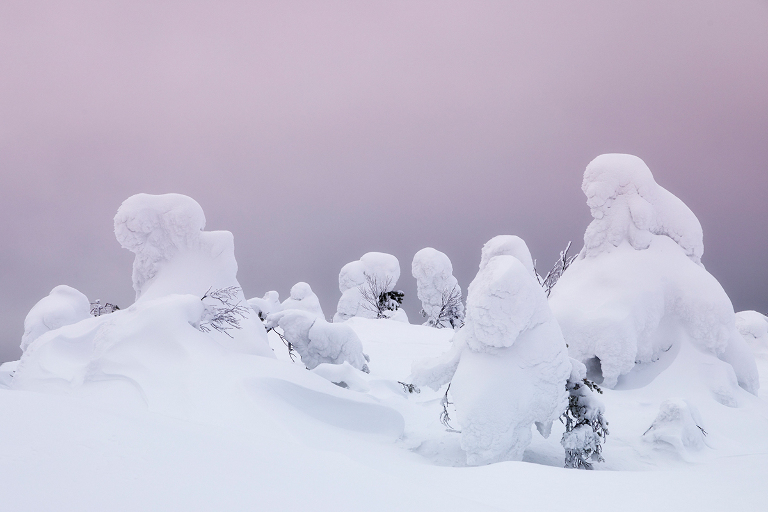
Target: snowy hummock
[380, 267]
[623, 305]
[175, 256]
[63, 306]
[304, 299]
[318, 341]
[437, 288]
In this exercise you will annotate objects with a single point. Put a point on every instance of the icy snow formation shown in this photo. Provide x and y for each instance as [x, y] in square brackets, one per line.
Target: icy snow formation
[304, 299]
[435, 285]
[175, 256]
[270, 303]
[381, 267]
[753, 327]
[628, 205]
[638, 287]
[63, 306]
[318, 341]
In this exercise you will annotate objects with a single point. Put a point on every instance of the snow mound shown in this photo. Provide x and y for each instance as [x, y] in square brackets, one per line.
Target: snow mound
[270, 303]
[753, 327]
[628, 205]
[304, 299]
[378, 267]
[678, 425]
[63, 306]
[344, 375]
[175, 256]
[318, 341]
[623, 308]
[437, 289]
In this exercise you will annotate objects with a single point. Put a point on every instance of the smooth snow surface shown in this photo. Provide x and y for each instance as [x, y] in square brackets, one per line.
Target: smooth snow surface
[63, 306]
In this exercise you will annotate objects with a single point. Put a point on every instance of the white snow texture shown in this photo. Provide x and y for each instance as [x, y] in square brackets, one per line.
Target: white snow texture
[433, 272]
[638, 287]
[304, 299]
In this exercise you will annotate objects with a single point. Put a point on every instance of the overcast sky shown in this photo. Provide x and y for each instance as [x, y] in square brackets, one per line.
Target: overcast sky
[317, 131]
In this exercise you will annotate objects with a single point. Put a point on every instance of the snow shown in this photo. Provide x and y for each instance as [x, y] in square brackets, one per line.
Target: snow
[433, 272]
[753, 327]
[318, 341]
[304, 299]
[270, 303]
[631, 296]
[383, 268]
[63, 306]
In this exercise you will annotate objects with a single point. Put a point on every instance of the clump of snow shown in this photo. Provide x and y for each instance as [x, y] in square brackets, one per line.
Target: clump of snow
[628, 205]
[355, 277]
[304, 299]
[175, 256]
[63, 306]
[510, 245]
[678, 425]
[622, 305]
[318, 341]
[270, 303]
[437, 288]
[753, 327]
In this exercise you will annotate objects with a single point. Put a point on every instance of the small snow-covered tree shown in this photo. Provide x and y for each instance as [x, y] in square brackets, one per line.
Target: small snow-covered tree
[561, 265]
[585, 426]
[438, 290]
[378, 296]
[367, 288]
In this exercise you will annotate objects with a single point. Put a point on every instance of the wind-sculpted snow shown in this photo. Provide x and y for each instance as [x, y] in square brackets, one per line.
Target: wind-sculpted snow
[435, 286]
[628, 205]
[304, 299]
[175, 256]
[380, 267]
[625, 307]
[318, 341]
[63, 306]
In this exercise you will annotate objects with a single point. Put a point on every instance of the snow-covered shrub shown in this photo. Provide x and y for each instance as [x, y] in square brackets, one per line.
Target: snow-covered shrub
[367, 288]
[585, 426]
[438, 290]
[508, 364]
[679, 425]
[98, 309]
[63, 306]
[753, 327]
[270, 303]
[222, 312]
[556, 272]
[318, 341]
[175, 256]
[638, 286]
[303, 298]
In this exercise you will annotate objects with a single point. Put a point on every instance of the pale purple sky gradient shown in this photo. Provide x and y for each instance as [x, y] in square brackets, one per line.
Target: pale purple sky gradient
[318, 131]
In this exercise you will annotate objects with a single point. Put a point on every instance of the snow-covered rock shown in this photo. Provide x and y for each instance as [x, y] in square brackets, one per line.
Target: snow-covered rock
[638, 287]
[175, 256]
[63, 306]
[304, 299]
[318, 341]
[377, 267]
[435, 287]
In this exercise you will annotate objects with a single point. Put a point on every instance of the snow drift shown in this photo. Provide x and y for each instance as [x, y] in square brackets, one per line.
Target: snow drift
[638, 286]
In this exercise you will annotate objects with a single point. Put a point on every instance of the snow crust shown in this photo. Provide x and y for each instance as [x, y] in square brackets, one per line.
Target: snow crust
[175, 256]
[633, 294]
[304, 299]
[627, 205]
[384, 268]
[63, 306]
[433, 272]
[318, 341]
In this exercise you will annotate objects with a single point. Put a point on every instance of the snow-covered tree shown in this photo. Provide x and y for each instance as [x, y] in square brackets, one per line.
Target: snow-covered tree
[585, 426]
[270, 303]
[303, 298]
[638, 287]
[368, 288]
[318, 341]
[437, 288]
[63, 306]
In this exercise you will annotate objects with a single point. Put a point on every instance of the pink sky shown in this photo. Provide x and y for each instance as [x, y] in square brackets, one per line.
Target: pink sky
[317, 131]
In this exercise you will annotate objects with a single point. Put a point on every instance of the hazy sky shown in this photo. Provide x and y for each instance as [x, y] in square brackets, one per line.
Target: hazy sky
[317, 131]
